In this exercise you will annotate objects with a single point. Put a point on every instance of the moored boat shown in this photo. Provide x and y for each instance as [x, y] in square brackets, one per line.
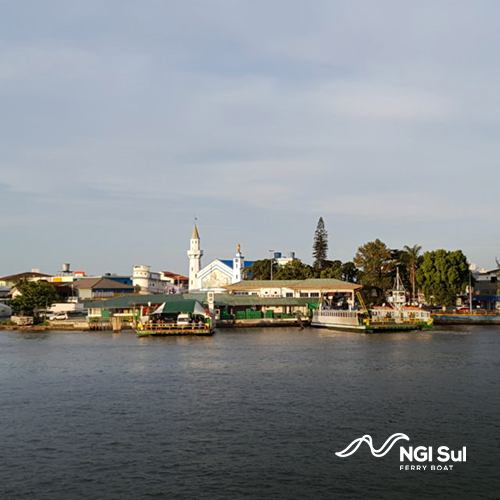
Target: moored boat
[163, 328]
[396, 316]
[187, 318]
[466, 318]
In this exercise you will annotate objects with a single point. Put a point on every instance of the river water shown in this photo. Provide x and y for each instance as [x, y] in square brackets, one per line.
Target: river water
[248, 413]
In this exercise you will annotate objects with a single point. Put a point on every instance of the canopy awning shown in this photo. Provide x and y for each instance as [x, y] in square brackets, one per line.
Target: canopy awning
[185, 306]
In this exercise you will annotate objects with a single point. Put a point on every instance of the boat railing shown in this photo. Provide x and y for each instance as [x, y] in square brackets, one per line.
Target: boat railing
[338, 313]
[382, 319]
[175, 326]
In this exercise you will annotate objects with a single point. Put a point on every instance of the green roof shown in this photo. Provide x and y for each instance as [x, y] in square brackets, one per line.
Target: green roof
[179, 301]
[127, 301]
[253, 300]
[179, 306]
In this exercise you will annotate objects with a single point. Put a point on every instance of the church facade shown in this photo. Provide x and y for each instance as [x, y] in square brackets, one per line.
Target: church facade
[216, 275]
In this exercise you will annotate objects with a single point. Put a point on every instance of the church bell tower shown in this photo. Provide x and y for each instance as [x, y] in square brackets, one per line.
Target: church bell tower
[238, 266]
[194, 253]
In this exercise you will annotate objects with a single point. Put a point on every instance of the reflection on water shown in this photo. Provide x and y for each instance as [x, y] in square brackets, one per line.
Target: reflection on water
[255, 413]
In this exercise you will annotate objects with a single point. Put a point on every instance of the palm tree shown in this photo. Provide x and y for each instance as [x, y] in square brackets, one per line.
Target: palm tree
[413, 259]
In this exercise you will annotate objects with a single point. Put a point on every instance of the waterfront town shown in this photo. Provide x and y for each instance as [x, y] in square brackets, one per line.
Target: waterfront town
[281, 290]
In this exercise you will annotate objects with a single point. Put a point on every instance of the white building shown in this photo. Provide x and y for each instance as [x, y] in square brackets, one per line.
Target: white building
[163, 282]
[282, 260]
[216, 275]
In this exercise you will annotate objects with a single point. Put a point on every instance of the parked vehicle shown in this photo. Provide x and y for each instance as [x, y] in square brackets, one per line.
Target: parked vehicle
[184, 319]
[58, 316]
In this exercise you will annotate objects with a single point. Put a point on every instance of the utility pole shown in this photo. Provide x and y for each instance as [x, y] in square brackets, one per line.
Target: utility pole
[272, 262]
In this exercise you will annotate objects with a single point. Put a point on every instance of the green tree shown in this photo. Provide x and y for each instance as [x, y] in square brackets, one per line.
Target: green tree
[375, 262]
[320, 247]
[346, 271]
[294, 270]
[261, 270]
[332, 269]
[443, 275]
[349, 272]
[34, 295]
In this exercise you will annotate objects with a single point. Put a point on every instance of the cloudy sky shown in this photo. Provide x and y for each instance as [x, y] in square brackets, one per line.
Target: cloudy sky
[122, 120]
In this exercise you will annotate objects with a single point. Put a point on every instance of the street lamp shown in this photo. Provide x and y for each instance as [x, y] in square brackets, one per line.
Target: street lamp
[272, 262]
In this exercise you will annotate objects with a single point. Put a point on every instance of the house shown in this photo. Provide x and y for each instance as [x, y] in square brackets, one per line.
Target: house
[176, 280]
[101, 288]
[150, 282]
[286, 297]
[33, 275]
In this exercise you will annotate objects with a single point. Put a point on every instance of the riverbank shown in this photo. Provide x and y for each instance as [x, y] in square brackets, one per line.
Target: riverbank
[26, 328]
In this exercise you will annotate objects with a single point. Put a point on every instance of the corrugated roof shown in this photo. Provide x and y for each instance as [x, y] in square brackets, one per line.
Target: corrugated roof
[101, 283]
[177, 300]
[179, 306]
[128, 301]
[295, 284]
[253, 300]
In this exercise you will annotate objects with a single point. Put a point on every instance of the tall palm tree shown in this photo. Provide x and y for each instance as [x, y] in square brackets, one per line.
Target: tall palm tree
[413, 259]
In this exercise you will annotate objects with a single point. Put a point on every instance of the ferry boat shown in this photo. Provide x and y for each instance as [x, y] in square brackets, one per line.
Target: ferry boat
[397, 316]
[160, 322]
[159, 328]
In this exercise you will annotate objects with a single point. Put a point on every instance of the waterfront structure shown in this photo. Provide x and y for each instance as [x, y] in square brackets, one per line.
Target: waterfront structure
[308, 288]
[486, 289]
[216, 275]
[283, 299]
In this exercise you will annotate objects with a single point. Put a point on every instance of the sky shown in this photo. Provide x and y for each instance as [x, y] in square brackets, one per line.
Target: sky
[121, 121]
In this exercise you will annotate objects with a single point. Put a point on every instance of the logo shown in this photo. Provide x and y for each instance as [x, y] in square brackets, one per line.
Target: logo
[420, 454]
[382, 451]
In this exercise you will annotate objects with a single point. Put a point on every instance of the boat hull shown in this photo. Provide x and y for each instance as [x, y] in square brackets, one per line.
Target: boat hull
[373, 328]
[466, 319]
[171, 329]
[360, 322]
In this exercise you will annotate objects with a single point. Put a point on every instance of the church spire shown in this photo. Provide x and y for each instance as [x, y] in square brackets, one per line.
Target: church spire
[195, 254]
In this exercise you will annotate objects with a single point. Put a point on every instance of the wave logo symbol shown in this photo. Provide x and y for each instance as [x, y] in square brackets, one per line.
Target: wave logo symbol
[382, 451]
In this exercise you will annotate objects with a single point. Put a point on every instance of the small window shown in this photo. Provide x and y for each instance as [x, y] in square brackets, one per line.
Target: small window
[304, 294]
[289, 294]
[314, 294]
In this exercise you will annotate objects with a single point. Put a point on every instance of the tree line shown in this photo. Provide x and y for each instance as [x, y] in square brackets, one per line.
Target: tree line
[441, 275]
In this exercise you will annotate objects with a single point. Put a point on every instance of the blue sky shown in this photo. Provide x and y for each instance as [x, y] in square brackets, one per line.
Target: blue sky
[122, 120]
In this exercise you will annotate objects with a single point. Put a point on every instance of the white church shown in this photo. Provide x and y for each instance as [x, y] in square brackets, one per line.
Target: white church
[218, 273]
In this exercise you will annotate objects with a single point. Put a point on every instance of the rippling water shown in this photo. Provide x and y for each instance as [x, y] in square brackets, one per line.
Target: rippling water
[254, 414]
